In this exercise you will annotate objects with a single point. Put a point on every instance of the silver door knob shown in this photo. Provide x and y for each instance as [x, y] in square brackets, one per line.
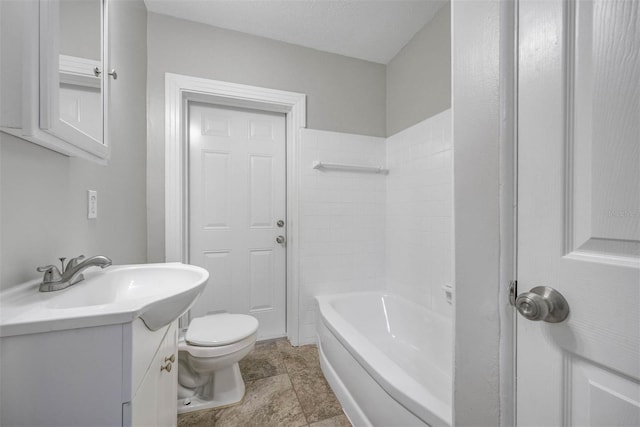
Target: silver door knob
[280, 239]
[543, 303]
[280, 223]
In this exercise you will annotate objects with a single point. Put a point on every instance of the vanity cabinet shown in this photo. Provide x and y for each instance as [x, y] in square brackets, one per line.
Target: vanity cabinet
[109, 375]
[155, 384]
[55, 75]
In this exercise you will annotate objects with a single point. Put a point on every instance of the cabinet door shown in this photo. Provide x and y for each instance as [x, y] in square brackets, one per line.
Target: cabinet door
[168, 385]
[155, 402]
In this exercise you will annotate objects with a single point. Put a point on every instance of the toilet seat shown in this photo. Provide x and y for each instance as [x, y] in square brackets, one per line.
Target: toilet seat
[220, 329]
[219, 351]
[218, 335]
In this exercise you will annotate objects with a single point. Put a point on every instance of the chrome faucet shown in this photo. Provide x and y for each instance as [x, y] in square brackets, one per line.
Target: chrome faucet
[53, 280]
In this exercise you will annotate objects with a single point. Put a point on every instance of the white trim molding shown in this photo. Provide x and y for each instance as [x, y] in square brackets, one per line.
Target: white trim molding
[179, 90]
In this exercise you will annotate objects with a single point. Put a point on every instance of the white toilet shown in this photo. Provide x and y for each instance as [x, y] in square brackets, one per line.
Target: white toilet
[208, 356]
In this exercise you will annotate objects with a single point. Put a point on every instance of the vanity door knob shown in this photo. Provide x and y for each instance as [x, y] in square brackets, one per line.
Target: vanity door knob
[171, 358]
[166, 367]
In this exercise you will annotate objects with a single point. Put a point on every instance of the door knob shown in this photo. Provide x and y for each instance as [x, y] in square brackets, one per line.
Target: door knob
[280, 223]
[543, 303]
[113, 73]
[280, 239]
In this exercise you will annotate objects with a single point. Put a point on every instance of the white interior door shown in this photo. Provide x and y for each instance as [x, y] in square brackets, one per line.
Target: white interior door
[579, 210]
[236, 200]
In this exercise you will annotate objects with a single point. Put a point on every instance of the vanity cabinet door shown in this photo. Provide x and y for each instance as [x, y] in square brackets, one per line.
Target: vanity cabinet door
[168, 383]
[155, 401]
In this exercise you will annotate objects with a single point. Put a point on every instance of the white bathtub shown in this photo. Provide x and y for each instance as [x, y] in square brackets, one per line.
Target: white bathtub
[387, 359]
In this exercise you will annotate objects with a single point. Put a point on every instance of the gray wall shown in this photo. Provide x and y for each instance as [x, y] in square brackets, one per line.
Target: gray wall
[43, 194]
[419, 76]
[343, 94]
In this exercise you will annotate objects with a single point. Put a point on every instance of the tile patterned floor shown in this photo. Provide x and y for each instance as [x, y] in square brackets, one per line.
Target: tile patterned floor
[284, 387]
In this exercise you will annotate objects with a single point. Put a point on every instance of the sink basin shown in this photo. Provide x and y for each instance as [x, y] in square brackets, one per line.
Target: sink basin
[156, 293]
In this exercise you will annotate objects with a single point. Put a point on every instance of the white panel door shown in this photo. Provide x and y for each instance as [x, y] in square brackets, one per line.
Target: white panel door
[579, 210]
[236, 198]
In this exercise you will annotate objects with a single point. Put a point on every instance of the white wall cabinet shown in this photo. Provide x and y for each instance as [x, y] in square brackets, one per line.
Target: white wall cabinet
[54, 75]
[100, 376]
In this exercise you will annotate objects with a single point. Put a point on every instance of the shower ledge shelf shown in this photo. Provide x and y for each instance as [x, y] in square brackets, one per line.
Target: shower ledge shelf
[349, 167]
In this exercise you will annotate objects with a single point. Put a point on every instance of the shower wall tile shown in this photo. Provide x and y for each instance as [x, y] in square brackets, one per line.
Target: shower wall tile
[419, 212]
[342, 220]
[362, 232]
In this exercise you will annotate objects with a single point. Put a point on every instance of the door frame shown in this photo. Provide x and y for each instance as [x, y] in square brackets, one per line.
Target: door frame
[485, 199]
[179, 91]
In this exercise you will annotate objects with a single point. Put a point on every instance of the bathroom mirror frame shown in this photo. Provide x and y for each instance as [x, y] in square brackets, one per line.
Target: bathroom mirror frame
[41, 122]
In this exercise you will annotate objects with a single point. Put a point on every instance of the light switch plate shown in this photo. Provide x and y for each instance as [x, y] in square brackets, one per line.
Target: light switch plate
[92, 204]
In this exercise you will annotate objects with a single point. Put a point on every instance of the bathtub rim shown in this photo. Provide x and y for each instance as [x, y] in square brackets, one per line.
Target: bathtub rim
[437, 412]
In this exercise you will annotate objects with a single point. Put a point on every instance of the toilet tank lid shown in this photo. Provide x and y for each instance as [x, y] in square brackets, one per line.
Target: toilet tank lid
[220, 329]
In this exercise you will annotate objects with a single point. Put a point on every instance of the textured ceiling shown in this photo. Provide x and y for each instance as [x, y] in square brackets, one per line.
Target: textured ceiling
[373, 30]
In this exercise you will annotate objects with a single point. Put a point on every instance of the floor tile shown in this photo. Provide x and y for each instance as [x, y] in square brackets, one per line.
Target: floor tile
[264, 361]
[267, 402]
[316, 398]
[203, 418]
[284, 387]
[314, 393]
[338, 421]
[284, 345]
[300, 359]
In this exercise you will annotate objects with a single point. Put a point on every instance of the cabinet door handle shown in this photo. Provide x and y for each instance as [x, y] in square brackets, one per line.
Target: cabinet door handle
[166, 367]
[171, 358]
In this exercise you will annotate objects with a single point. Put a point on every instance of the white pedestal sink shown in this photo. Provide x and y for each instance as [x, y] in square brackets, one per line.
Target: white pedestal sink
[101, 352]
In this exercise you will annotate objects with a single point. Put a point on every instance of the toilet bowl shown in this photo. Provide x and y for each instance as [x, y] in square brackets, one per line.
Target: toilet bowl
[208, 355]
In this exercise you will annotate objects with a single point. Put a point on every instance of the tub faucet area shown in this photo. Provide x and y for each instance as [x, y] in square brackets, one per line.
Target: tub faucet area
[53, 280]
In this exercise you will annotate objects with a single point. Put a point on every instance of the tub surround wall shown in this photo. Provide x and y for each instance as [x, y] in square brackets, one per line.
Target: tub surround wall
[43, 194]
[419, 76]
[343, 94]
[342, 220]
[363, 231]
[419, 211]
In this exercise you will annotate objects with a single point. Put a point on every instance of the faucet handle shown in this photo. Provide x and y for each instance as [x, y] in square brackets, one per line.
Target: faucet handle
[51, 273]
[74, 261]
